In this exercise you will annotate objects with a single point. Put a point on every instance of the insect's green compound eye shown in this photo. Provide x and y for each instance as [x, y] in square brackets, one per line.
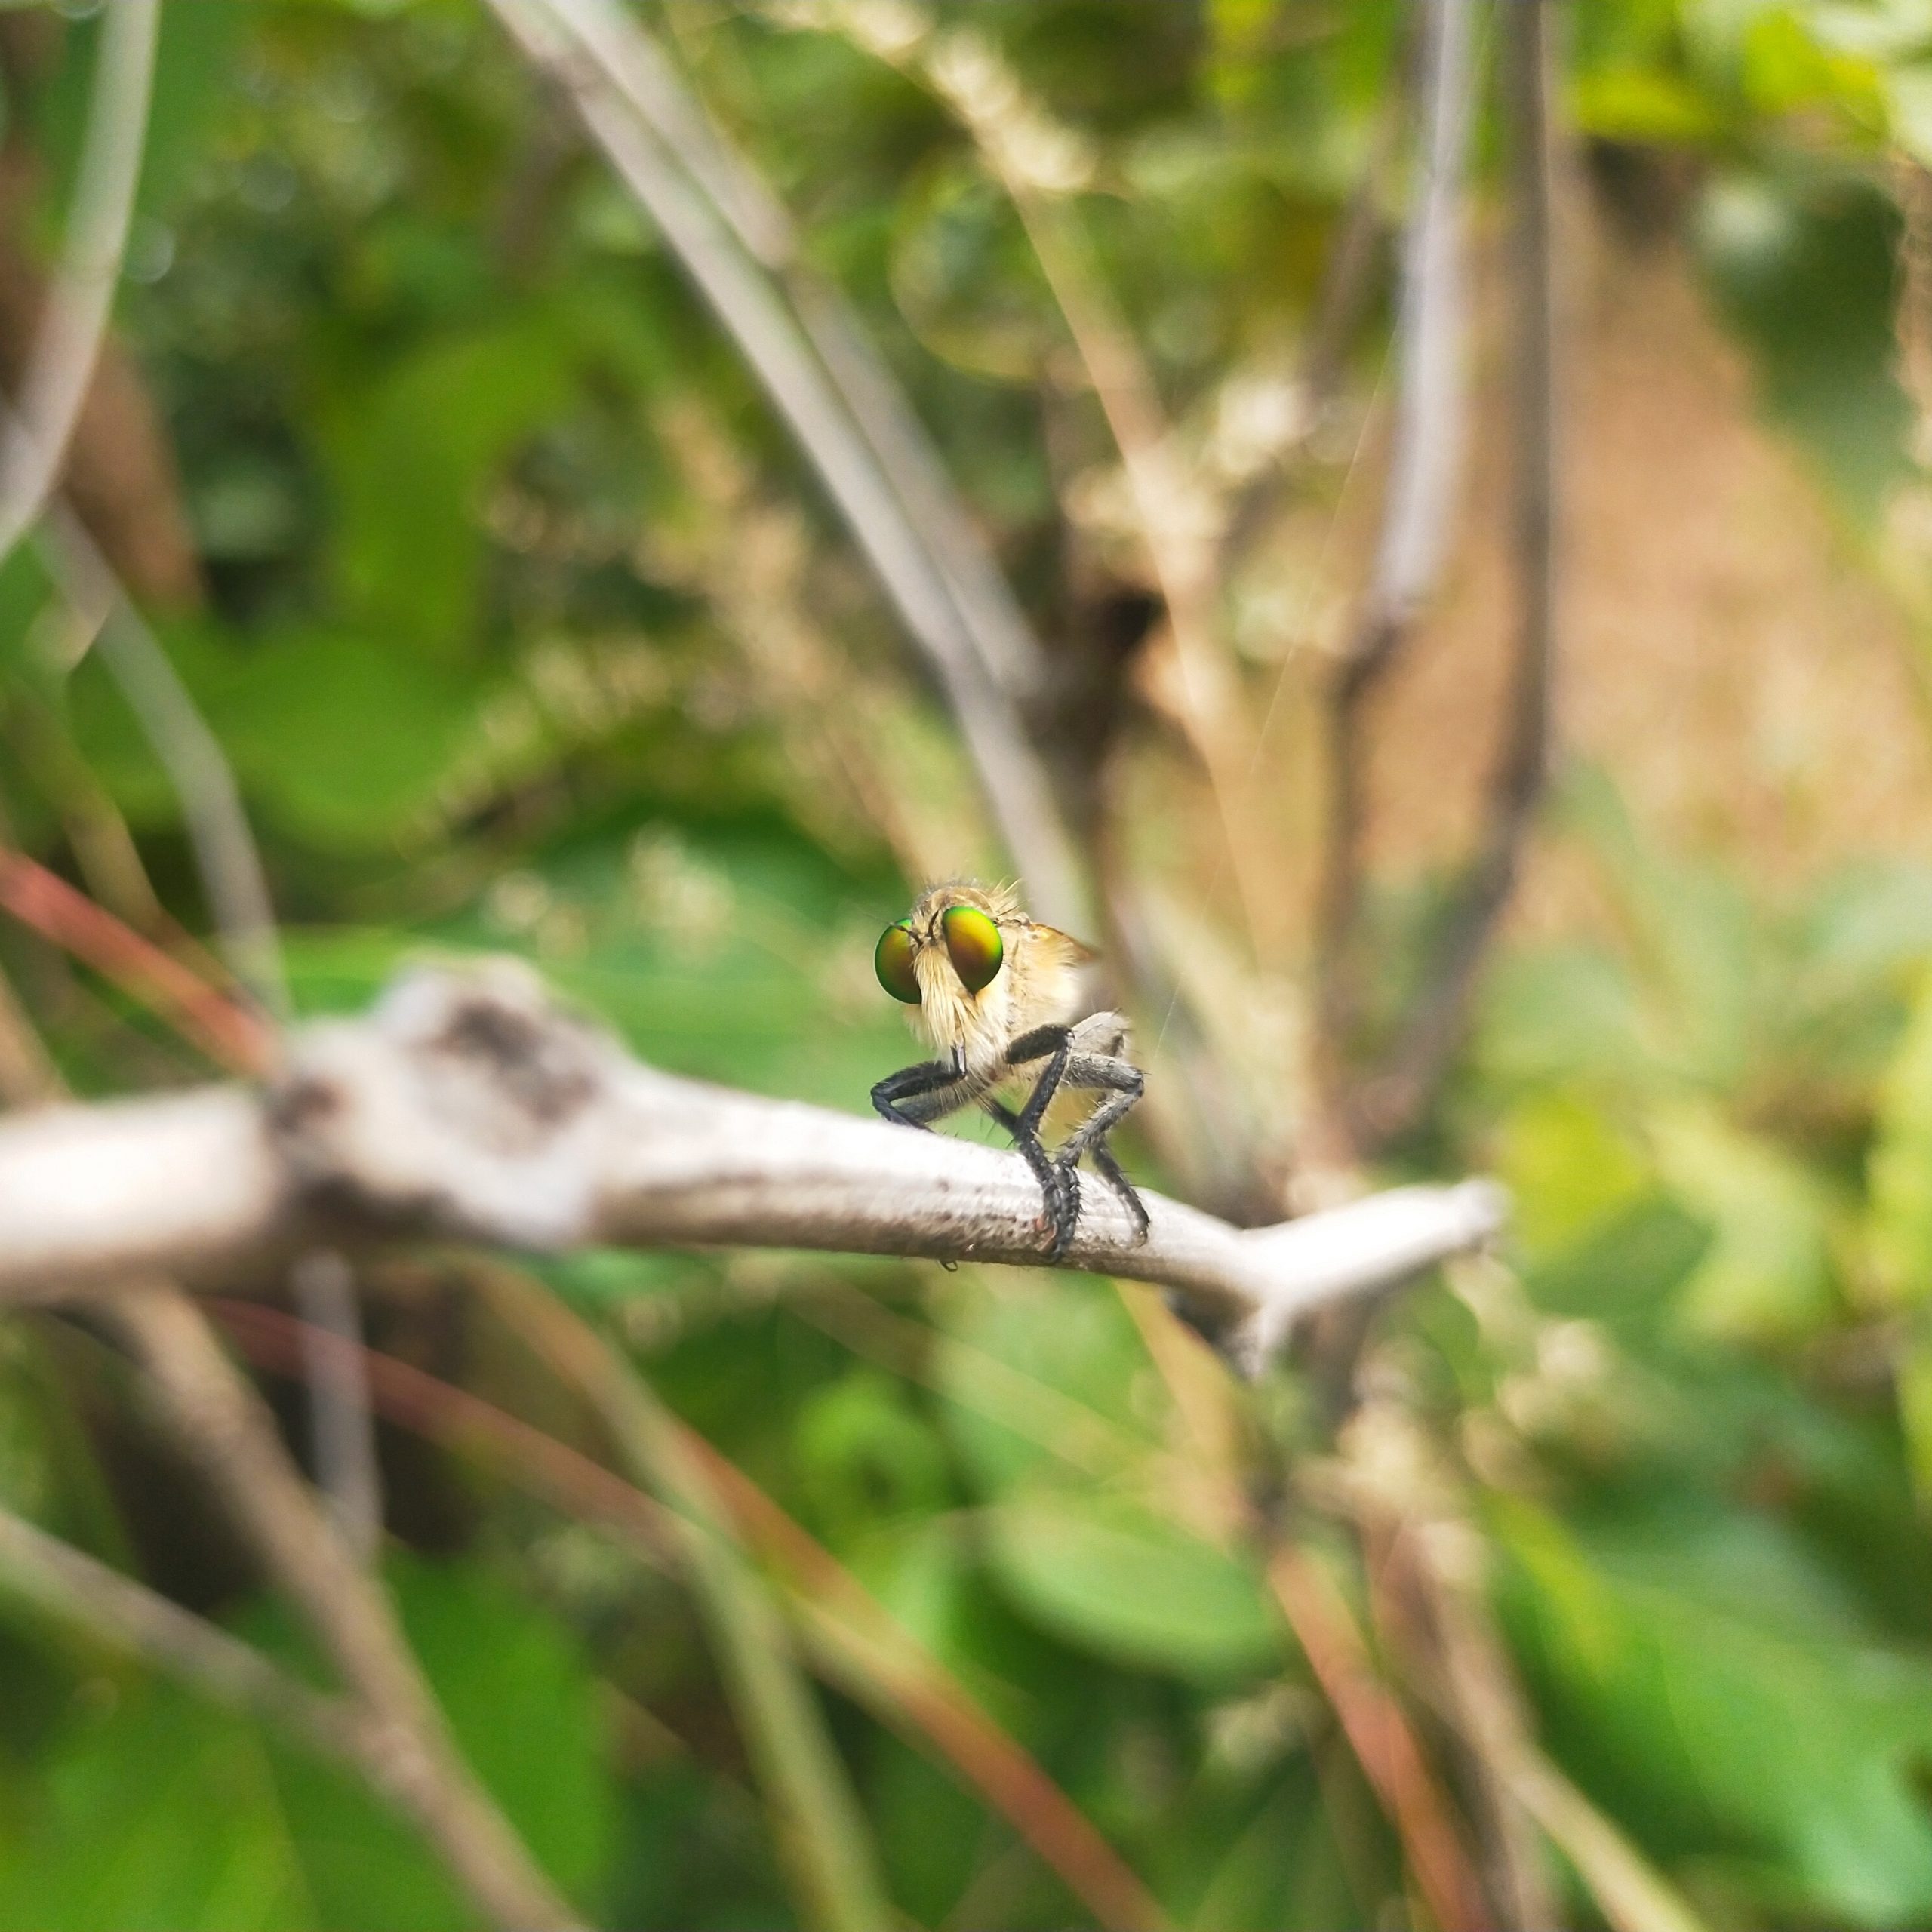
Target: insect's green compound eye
[973, 945]
[893, 962]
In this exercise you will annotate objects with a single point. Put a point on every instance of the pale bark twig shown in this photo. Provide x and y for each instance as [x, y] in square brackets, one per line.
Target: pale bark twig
[67, 344]
[467, 1106]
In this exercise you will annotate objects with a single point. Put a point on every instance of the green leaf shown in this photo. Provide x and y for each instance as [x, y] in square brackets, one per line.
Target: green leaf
[412, 462]
[526, 1715]
[341, 738]
[1909, 97]
[1047, 1380]
[866, 1458]
[1108, 1574]
[1568, 1167]
[1627, 1274]
[155, 1814]
[1898, 1168]
[1803, 266]
[1914, 1378]
[1709, 1731]
[1769, 1271]
[1643, 104]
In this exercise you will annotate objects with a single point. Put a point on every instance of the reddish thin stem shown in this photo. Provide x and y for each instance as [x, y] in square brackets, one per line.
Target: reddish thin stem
[42, 900]
[1380, 1736]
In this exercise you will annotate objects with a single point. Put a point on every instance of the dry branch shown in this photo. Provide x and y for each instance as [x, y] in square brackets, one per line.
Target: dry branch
[467, 1106]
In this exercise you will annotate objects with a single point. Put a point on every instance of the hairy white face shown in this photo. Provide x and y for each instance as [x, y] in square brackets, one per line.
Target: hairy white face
[978, 973]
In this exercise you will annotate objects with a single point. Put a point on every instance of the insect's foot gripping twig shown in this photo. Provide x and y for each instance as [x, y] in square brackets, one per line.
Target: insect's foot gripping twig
[1059, 1186]
[1059, 1193]
[1062, 1202]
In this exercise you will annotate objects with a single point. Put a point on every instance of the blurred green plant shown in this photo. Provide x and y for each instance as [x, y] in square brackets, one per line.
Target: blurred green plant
[474, 482]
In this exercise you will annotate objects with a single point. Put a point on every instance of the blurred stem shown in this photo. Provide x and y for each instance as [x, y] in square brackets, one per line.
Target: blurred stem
[1395, 1097]
[28, 1076]
[1176, 520]
[1380, 1736]
[843, 734]
[744, 297]
[1451, 1654]
[1490, 1719]
[1372, 1721]
[854, 1641]
[1419, 504]
[1347, 284]
[850, 1625]
[226, 856]
[341, 1423]
[103, 848]
[1632, 1894]
[1176, 526]
[84, 1592]
[235, 883]
[652, 84]
[229, 1033]
[231, 1438]
[820, 1828]
[67, 345]
[1904, 553]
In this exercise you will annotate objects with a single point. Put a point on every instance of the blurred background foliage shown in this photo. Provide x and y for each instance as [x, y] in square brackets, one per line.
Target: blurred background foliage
[526, 628]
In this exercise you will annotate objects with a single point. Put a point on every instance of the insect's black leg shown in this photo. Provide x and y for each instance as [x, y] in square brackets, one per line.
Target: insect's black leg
[1112, 1172]
[1054, 1044]
[1060, 1187]
[1123, 1083]
[916, 1096]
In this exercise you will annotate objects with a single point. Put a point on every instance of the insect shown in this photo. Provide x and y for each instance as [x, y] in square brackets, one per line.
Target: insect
[995, 994]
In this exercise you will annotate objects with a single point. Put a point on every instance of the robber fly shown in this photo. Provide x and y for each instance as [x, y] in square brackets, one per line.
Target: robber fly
[995, 995]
